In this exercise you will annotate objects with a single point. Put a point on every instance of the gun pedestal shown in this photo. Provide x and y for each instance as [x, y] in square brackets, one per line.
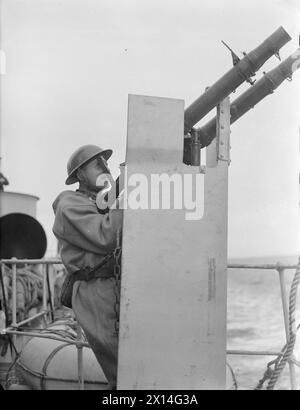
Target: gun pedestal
[174, 261]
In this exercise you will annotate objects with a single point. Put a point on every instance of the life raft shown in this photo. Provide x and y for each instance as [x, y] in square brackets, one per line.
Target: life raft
[47, 364]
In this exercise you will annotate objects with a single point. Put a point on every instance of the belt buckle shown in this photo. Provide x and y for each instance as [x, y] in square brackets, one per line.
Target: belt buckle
[86, 274]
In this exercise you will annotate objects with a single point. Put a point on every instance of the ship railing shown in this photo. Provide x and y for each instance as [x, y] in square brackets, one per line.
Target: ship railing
[79, 342]
[280, 269]
[14, 327]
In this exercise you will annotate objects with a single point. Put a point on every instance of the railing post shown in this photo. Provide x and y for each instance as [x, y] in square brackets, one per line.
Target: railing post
[14, 313]
[44, 309]
[284, 300]
[50, 291]
[4, 294]
[80, 358]
[44, 288]
[14, 292]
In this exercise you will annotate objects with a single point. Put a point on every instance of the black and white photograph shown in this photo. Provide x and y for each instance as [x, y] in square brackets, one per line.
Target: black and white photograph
[149, 197]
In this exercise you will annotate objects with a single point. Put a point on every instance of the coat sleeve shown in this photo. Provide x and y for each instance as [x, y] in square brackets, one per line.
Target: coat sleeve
[85, 228]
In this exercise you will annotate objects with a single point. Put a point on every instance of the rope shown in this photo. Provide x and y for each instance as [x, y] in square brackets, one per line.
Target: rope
[10, 379]
[48, 361]
[29, 289]
[66, 333]
[49, 293]
[280, 365]
[59, 379]
[268, 373]
[4, 296]
[272, 374]
[69, 333]
[235, 383]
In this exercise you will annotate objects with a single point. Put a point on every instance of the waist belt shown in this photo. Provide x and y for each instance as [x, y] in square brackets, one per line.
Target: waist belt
[102, 270]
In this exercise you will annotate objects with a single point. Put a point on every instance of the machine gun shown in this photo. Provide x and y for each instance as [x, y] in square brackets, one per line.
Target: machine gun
[195, 139]
[242, 71]
[265, 86]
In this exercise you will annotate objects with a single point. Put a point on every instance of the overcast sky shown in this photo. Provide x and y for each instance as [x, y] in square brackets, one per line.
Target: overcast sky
[70, 65]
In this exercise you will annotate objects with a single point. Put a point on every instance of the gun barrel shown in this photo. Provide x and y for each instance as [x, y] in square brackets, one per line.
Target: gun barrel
[265, 86]
[245, 68]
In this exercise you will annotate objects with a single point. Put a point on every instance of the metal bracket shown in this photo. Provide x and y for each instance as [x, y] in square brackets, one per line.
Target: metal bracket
[235, 60]
[223, 130]
[235, 57]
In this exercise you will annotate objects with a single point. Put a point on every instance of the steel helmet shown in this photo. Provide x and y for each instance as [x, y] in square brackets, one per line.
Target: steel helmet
[80, 157]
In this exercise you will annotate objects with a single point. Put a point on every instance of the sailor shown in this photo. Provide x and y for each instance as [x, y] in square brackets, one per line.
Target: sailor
[85, 237]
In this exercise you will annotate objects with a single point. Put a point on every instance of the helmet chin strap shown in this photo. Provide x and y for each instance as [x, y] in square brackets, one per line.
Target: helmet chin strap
[84, 183]
[85, 186]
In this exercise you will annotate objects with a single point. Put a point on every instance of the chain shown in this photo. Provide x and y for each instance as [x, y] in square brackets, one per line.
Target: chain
[117, 275]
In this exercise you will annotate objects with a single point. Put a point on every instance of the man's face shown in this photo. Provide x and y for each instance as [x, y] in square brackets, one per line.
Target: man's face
[92, 171]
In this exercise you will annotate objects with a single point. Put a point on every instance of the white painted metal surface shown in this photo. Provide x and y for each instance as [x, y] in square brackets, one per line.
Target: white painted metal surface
[15, 202]
[173, 292]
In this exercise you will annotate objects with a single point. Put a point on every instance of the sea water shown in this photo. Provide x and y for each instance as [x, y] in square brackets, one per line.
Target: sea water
[255, 319]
